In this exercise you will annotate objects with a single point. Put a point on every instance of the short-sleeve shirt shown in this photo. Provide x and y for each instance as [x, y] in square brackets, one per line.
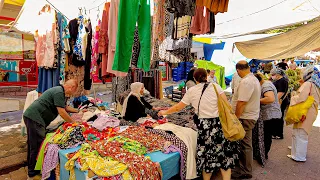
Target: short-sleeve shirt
[282, 85]
[249, 90]
[269, 111]
[209, 101]
[44, 109]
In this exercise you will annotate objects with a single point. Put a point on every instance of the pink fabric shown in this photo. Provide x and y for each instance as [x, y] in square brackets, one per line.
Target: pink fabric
[50, 161]
[112, 34]
[104, 122]
[103, 39]
[46, 38]
[95, 54]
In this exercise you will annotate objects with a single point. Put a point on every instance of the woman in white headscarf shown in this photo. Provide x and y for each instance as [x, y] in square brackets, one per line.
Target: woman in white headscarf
[134, 106]
[301, 130]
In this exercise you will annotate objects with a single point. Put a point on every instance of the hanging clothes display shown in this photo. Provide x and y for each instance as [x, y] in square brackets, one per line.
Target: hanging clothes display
[177, 43]
[215, 6]
[120, 85]
[201, 21]
[103, 39]
[87, 67]
[64, 48]
[135, 49]
[132, 13]
[95, 53]
[112, 34]
[48, 49]
[46, 37]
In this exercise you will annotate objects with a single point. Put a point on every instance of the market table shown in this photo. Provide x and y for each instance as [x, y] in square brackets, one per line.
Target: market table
[170, 164]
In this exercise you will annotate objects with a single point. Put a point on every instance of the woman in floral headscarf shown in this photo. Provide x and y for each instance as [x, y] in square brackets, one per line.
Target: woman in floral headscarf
[301, 130]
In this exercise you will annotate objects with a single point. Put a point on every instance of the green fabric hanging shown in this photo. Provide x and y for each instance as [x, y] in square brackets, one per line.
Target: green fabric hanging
[220, 71]
[132, 13]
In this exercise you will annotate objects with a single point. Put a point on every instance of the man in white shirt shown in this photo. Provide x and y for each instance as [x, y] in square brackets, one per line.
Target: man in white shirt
[246, 104]
[212, 78]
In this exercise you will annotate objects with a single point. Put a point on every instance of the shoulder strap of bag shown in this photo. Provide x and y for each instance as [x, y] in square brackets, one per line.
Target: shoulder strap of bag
[204, 88]
[286, 94]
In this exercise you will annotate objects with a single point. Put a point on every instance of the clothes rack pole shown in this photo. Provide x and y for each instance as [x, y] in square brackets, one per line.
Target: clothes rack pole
[57, 9]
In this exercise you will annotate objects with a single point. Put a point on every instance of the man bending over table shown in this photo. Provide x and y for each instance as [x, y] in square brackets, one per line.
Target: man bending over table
[41, 113]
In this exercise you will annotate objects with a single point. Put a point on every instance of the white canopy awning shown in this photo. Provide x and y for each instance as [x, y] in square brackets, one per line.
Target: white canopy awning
[286, 45]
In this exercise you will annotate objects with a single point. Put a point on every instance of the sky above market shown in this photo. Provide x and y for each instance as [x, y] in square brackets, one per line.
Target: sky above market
[243, 16]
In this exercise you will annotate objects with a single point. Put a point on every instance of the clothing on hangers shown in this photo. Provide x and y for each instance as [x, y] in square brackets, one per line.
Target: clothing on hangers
[131, 13]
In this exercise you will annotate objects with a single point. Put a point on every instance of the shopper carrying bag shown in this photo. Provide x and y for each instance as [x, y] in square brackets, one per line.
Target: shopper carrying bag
[231, 126]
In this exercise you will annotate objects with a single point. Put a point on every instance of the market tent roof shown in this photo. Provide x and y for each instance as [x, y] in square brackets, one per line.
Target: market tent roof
[15, 2]
[247, 16]
[290, 44]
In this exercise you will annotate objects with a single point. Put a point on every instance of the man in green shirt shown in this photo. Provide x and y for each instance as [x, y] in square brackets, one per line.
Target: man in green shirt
[41, 113]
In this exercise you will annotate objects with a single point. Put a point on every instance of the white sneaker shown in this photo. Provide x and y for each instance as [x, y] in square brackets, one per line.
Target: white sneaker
[290, 147]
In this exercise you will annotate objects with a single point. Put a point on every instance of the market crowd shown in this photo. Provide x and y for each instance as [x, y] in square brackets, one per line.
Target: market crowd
[259, 103]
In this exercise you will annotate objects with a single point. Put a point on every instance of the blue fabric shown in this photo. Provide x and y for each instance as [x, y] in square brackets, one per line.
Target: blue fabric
[254, 64]
[170, 164]
[48, 78]
[208, 49]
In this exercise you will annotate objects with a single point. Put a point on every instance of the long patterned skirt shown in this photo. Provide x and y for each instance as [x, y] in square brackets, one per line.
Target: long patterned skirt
[258, 143]
[214, 152]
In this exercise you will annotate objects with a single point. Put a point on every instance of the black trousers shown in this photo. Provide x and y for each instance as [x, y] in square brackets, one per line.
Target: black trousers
[279, 123]
[268, 126]
[36, 134]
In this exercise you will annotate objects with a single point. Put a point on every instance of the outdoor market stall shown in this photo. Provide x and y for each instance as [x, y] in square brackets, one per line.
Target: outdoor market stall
[102, 143]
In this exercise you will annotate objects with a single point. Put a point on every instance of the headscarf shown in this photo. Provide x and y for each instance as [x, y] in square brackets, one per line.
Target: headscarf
[312, 74]
[135, 91]
[190, 76]
[280, 72]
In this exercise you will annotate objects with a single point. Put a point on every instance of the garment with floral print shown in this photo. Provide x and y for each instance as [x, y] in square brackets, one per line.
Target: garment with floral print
[90, 159]
[140, 167]
[150, 140]
[214, 151]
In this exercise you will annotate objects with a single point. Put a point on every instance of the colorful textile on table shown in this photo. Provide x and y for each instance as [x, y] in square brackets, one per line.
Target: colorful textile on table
[177, 142]
[70, 138]
[51, 160]
[101, 166]
[130, 145]
[140, 167]
[104, 122]
[151, 141]
[92, 134]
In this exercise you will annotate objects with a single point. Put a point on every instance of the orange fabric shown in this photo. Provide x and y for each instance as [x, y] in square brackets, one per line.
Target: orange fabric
[200, 24]
[215, 6]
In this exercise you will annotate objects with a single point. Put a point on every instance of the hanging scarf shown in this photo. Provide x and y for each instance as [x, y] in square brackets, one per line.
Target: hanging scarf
[135, 91]
[312, 74]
